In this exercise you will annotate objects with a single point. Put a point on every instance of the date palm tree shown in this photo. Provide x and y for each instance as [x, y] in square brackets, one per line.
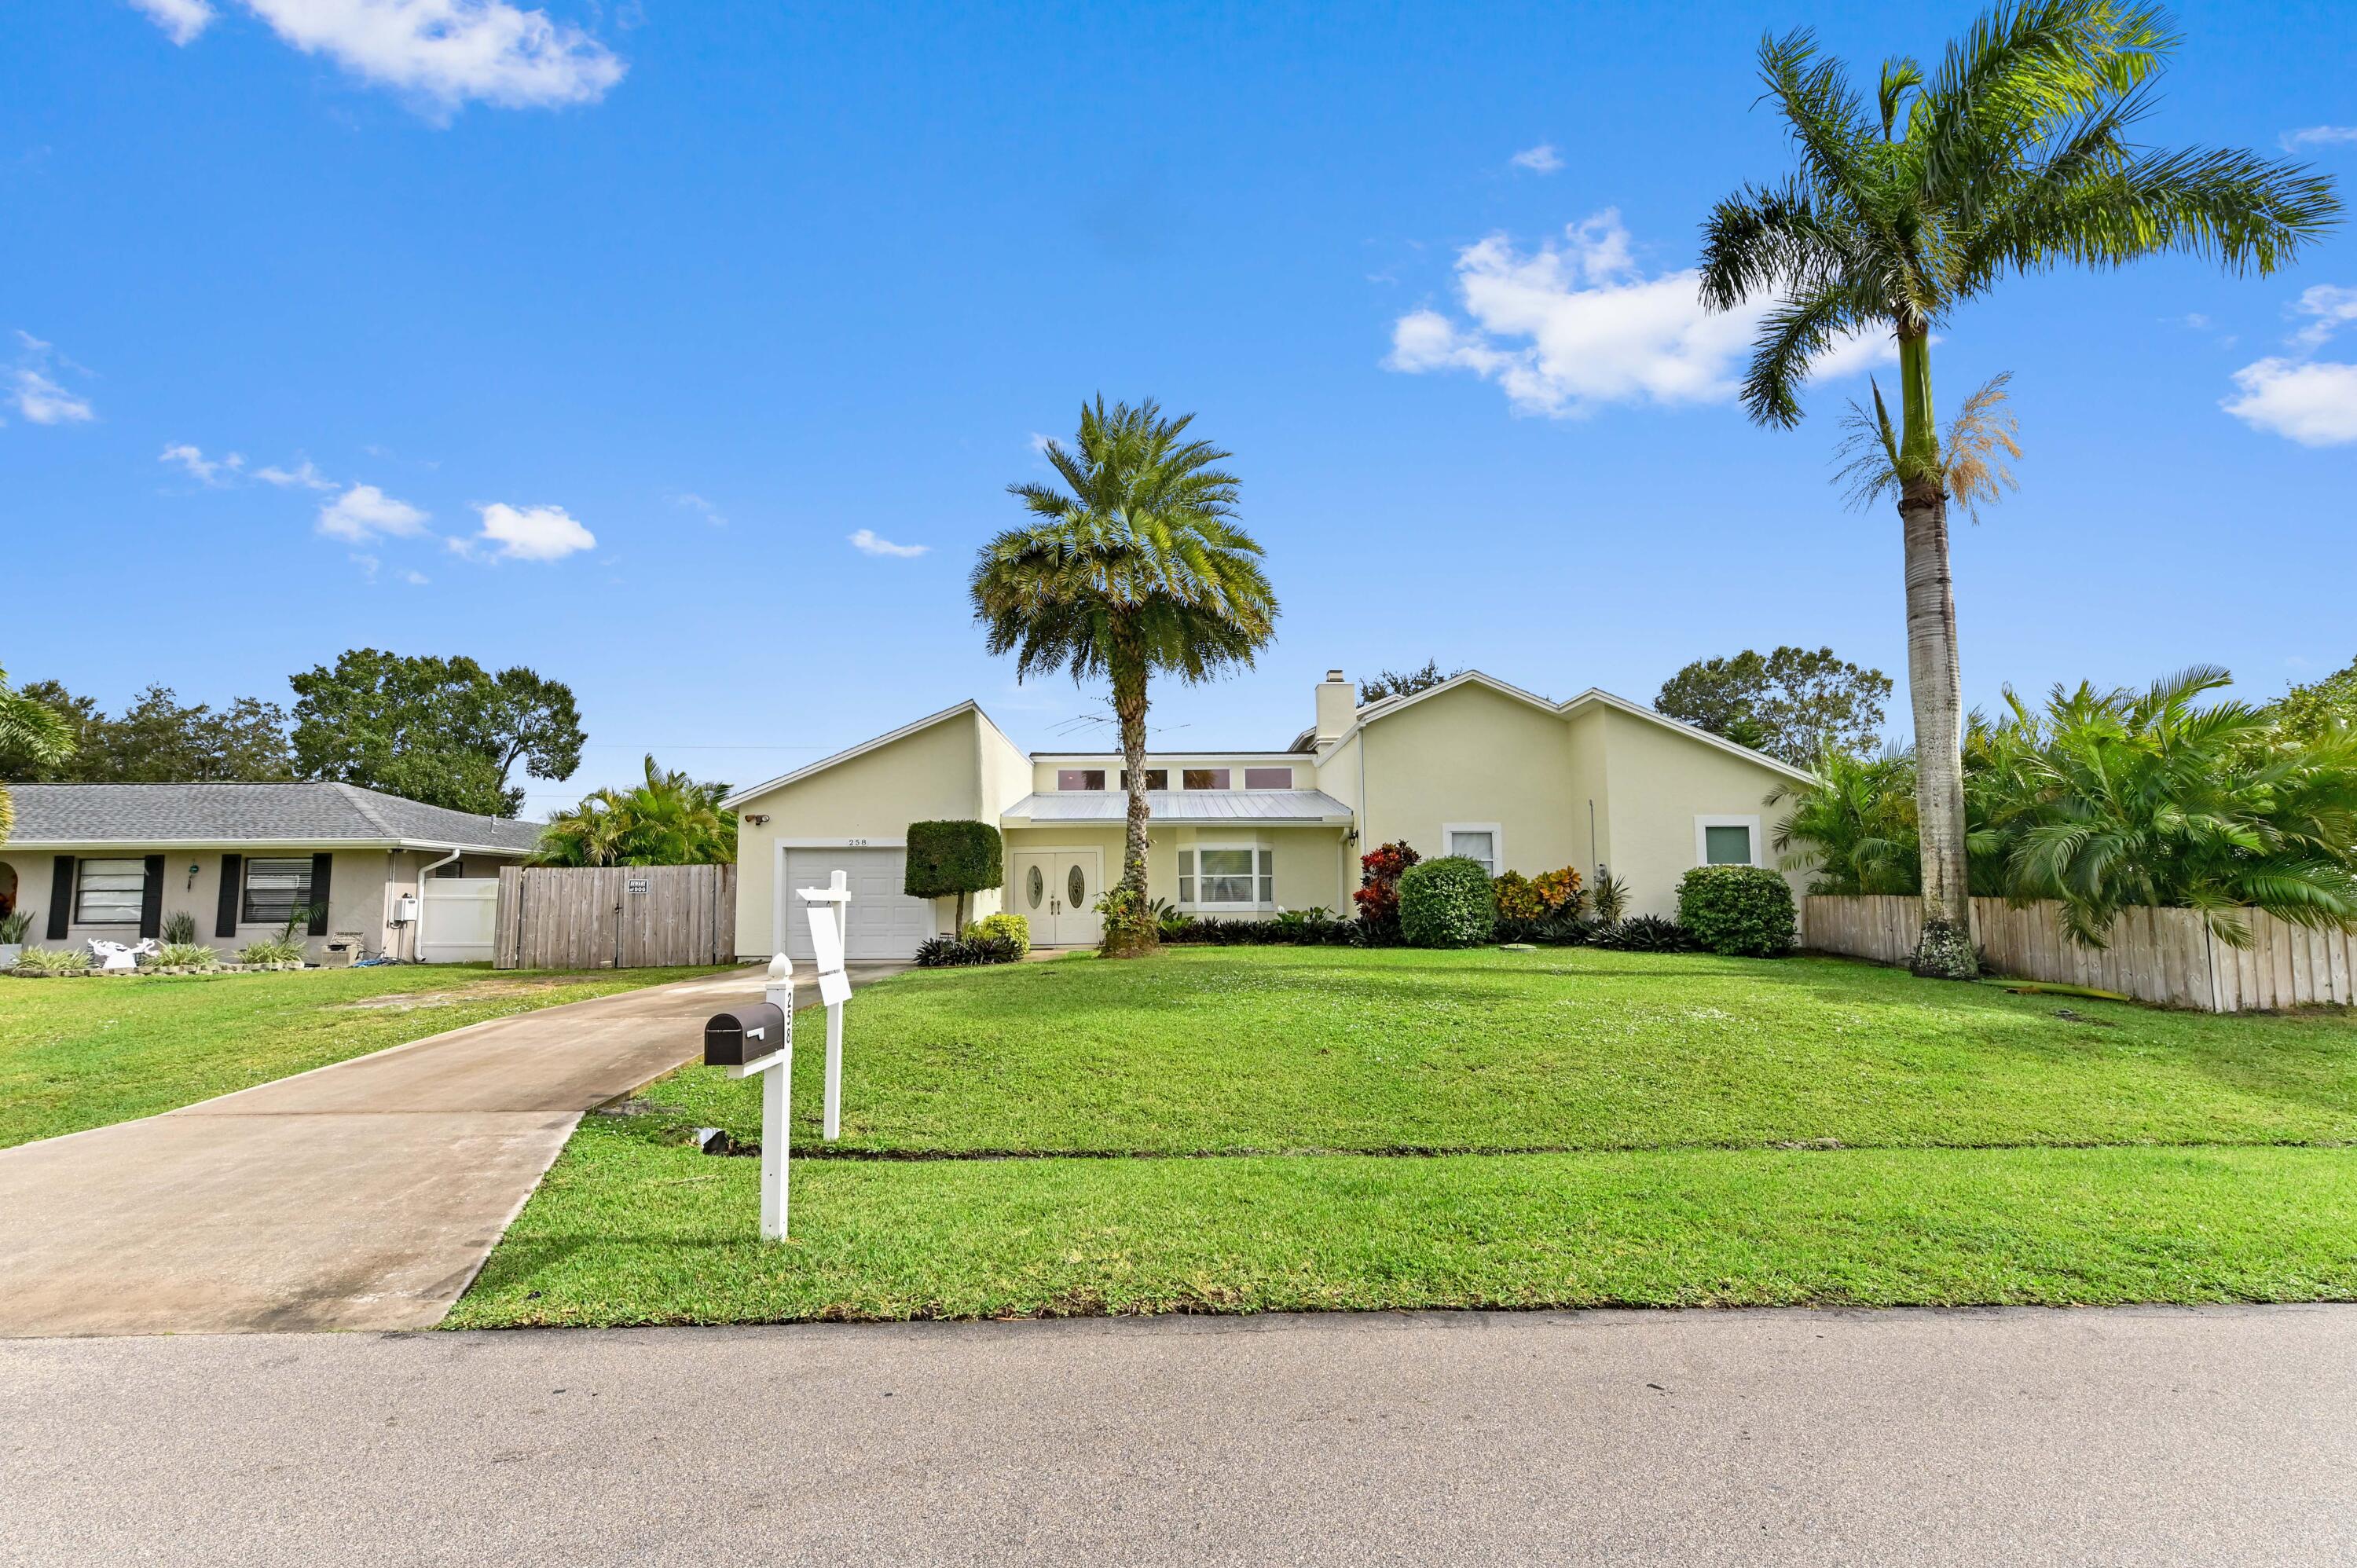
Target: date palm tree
[2013, 157]
[1134, 567]
[32, 731]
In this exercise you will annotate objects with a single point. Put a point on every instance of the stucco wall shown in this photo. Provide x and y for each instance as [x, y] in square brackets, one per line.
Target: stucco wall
[1588, 796]
[932, 775]
[1305, 866]
[356, 897]
[1659, 781]
[1472, 754]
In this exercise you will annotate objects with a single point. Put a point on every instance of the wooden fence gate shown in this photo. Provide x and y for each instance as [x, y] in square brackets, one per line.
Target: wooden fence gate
[615, 916]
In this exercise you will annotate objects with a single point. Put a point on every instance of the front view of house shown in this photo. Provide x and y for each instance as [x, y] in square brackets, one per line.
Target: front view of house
[1471, 766]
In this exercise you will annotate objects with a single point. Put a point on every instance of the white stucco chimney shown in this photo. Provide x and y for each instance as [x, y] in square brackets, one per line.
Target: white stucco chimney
[1337, 703]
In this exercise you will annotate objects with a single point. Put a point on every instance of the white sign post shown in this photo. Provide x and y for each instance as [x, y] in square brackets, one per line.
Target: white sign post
[829, 912]
[777, 1070]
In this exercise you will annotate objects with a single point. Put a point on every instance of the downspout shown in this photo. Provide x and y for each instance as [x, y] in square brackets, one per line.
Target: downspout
[417, 930]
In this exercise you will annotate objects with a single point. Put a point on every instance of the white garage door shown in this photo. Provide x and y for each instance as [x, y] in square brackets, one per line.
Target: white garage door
[885, 922]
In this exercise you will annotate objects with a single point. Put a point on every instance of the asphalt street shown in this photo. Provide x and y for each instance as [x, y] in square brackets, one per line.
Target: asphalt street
[2124, 1436]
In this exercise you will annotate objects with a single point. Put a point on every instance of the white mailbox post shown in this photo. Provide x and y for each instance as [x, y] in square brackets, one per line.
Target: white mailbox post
[828, 910]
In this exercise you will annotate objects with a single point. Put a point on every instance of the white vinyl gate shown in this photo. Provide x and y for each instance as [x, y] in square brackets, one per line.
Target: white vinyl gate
[457, 917]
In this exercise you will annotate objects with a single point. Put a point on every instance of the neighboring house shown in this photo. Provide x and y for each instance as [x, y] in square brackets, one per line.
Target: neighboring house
[1471, 766]
[112, 859]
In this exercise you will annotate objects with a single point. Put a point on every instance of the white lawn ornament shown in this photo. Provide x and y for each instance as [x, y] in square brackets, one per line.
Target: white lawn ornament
[828, 910]
[113, 958]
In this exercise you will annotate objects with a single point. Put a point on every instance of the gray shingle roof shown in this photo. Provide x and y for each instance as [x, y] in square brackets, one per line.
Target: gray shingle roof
[294, 813]
[1183, 806]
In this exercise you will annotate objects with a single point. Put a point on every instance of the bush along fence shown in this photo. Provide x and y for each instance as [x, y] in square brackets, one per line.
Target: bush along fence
[2168, 956]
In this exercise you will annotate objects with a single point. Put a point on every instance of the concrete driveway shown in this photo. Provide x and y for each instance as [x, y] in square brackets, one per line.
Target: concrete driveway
[364, 1195]
[2160, 1437]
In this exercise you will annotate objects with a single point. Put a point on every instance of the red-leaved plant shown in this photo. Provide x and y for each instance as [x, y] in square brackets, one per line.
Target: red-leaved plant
[1378, 894]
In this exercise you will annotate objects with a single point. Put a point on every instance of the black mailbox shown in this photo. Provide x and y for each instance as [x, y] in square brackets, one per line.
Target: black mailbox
[743, 1034]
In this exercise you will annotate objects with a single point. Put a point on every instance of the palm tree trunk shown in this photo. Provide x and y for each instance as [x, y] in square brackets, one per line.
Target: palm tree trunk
[1137, 932]
[1933, 683]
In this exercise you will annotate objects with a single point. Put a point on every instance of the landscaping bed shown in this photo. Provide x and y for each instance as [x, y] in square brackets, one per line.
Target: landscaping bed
[1287, 1128]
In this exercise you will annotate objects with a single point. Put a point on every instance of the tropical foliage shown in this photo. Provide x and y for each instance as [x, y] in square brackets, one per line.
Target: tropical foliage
[1134, 566]
[1738, 911]
[2107, 799]
[1377, 894]
[2312, 711]
[1790, 703]
[667, 820]
[31, 730]
[2012, 156]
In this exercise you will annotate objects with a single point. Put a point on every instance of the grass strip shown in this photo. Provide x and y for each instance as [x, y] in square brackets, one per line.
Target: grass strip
[631, 1229]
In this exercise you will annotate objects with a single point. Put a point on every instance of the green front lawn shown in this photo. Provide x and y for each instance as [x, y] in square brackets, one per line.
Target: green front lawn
[1660, 1129]
[84, 1053]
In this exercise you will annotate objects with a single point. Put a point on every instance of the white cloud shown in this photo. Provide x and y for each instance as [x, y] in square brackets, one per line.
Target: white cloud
[2314, 403]
[2333, 307]
[2319, 136]
[364, 512]
[36, 393]
[1039, 443]
[1566, 328]
[202, 469]
[415, 579]
[867, 543]
[530, 534]
[182, 20]
[445, 53]
[697, 504]
[304, 474]
[1541, 159]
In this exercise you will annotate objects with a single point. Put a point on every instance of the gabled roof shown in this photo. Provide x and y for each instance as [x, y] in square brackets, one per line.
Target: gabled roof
[1593, 696]
[299, 813]
[865, 747]
[1181, 806]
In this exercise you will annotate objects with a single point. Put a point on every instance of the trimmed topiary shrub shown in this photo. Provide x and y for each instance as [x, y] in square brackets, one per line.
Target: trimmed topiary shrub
[1738, 911]
[1013, 929]
[1446, 903]
[952, 859]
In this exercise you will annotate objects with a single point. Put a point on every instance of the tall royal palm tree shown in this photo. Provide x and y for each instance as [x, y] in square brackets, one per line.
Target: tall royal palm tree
[1134, 567]
[2013, 157]
[33, 731]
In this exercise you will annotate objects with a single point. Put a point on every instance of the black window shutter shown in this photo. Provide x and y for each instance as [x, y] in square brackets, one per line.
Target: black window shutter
[61, 898]
[225, 912]
[322, 864]
[151, 899]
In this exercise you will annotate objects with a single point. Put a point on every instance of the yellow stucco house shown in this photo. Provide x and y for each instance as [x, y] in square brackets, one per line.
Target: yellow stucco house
[1471, 766]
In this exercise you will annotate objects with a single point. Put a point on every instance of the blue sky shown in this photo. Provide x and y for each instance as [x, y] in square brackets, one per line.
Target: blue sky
[589, 338]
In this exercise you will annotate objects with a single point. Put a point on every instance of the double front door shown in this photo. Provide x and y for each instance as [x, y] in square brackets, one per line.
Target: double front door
[1057, 891]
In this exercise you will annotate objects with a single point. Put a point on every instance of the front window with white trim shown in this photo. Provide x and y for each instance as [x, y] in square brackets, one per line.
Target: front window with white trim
[1726, 841]
[1215, 877]
[1481, 842]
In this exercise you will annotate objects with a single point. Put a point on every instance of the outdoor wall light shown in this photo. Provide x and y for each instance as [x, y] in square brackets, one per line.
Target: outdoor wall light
[757, 819]
[192, 875]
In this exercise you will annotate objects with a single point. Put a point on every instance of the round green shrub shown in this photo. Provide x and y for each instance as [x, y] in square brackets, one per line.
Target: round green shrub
[1738, 911]
[1010, 928]
[1446, 903]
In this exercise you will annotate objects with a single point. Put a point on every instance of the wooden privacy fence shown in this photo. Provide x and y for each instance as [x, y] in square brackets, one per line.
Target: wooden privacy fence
[615, 916]
[2155, 955]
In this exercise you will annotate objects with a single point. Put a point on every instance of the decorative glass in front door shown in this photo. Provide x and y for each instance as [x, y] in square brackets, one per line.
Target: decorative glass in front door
[1076, 889]
[1036, 886]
